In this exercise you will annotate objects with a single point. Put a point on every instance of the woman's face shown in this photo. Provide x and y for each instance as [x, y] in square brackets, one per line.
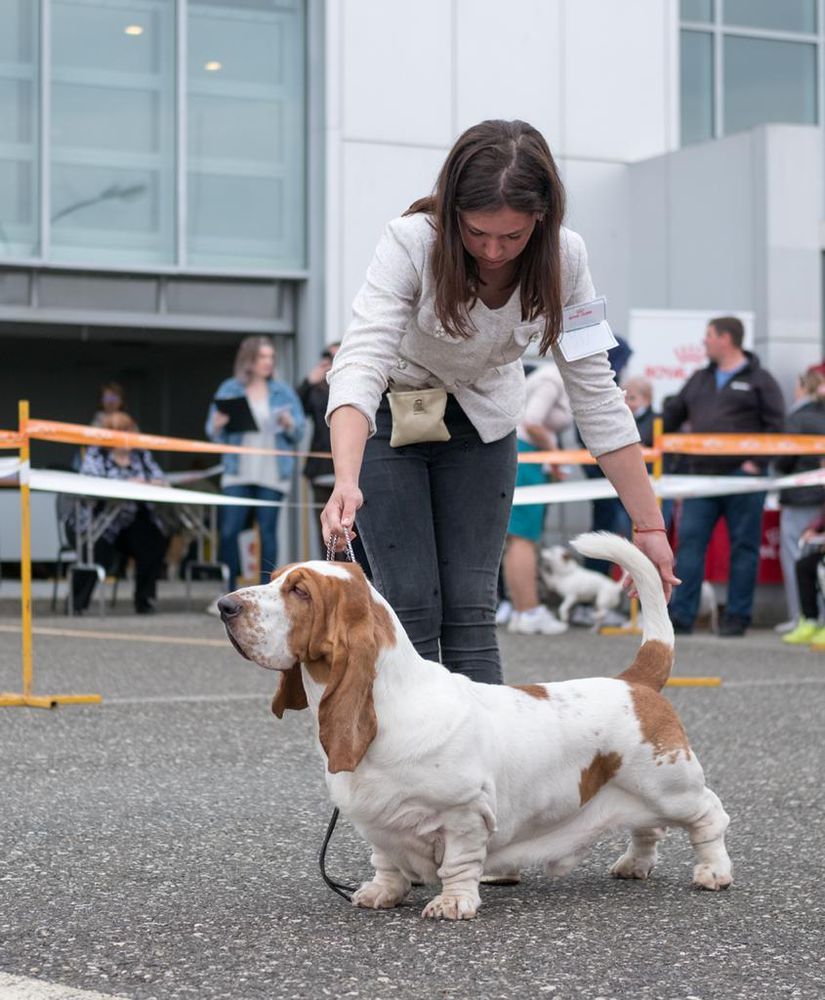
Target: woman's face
[264, 363]
[111, 401]
[496, 238]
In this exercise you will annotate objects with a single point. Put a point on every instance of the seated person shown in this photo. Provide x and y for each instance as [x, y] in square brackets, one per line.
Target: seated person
[136, 530]
[808, 629]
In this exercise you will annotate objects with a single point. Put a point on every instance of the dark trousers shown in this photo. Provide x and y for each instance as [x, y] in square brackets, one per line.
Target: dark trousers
[433, 525]
[143, 541]
[743, 515]
[806, 579]
[233, 521]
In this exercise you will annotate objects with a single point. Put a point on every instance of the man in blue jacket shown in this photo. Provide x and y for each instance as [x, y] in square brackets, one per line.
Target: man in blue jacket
[732, 395]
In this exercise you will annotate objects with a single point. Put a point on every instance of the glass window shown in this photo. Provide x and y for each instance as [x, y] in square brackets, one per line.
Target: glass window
[771, 15]
[19, 127]
[696, 90]
[768, 81]
[246, 201]
[112, 131]
[696, 10]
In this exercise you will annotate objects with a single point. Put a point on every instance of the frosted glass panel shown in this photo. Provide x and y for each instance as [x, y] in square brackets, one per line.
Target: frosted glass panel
[696, 92]
[19, 127]
[768, 81]
[771, 15]
[246, 134]
[696, 10]
[112, 131]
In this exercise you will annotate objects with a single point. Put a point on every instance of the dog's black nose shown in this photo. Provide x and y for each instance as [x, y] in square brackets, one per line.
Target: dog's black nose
[229, 607]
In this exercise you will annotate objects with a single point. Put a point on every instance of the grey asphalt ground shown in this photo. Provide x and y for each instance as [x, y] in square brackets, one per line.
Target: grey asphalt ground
[163, 845]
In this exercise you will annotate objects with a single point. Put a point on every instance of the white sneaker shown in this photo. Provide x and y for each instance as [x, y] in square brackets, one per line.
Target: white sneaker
[536, 621]
[213, 609]
[504, 612]
[784, 627]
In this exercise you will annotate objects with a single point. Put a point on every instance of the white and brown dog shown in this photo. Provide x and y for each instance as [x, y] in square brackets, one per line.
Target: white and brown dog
[445, 777]
[562, 573]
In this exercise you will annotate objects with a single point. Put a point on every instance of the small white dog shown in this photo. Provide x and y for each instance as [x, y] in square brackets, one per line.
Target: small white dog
[563, 574]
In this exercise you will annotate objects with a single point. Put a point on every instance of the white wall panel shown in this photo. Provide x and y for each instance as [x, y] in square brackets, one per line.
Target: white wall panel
[379, 183]
[649, 223]
[510, 66]
[598, 209]
[619, 76]
[711, 211]
[397, 71]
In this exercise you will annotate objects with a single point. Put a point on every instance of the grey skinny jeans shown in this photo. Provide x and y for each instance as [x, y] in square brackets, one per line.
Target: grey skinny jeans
[433, 525]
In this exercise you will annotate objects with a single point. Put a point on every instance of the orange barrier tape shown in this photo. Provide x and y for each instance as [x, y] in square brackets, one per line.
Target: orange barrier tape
[572, 457]
[743, 444]
[10, 439]
[53, 430]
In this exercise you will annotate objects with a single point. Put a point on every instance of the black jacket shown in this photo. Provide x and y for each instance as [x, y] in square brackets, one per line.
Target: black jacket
[751, 402]
[314, 399]
[806, 419]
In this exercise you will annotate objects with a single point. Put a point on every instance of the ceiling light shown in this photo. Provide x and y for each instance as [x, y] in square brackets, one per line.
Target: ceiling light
[213, 65]
[133, 29]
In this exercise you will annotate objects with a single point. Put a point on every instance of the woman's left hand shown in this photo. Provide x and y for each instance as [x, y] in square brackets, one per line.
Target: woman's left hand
[285, 420]
[656, 547]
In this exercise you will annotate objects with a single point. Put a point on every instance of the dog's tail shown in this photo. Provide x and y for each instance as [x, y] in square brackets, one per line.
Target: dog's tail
[654, 660]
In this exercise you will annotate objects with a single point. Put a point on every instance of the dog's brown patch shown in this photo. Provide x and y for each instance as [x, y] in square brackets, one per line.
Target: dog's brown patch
[652, 665]
[661, 726]
[534, 690]
[598, 772]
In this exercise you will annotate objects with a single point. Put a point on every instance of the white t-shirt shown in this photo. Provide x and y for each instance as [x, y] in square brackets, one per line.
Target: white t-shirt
[258, 470]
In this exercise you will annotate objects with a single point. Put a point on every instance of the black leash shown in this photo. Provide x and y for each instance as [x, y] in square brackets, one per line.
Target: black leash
[341, 888]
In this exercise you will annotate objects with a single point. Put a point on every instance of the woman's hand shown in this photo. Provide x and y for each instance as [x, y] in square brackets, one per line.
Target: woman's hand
[285, 419]
[219, 420]
[339, 513]
[656, 547]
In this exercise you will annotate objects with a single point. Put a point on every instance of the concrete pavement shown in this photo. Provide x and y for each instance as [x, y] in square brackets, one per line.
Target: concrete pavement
[164, 844]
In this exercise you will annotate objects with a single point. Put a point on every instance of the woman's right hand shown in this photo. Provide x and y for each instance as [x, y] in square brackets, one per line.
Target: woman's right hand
[339, 513]
[219, 420]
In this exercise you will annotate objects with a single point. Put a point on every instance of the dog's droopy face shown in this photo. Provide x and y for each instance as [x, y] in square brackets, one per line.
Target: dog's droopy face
[326, 617]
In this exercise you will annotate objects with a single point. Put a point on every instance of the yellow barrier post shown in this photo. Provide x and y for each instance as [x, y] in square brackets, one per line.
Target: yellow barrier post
[26, 698]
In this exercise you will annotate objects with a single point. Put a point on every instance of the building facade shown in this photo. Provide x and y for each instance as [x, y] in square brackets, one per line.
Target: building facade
[175, 174]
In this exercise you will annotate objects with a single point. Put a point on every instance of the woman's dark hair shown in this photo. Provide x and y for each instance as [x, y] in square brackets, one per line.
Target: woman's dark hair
[493, 165]
[115, 388]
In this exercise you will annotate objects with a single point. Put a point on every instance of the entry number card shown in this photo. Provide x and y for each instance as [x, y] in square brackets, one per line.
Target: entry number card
[585, 330]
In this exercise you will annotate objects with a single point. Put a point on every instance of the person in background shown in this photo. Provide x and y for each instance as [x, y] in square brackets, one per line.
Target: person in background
[546, 414]
[111, 399]
[808, 630]
[280, 425]
[801, 504]
[457, 289]
[607, 512]
[638, 394]
[733, 394]
[136, 530]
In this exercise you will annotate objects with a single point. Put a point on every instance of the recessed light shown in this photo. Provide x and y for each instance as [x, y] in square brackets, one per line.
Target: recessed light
[133, 29]
[213, 65]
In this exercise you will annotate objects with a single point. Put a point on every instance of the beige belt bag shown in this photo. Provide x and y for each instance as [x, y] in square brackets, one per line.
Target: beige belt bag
[418, 416]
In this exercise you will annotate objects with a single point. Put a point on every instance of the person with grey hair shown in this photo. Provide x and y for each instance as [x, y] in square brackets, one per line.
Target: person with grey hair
[279, 424]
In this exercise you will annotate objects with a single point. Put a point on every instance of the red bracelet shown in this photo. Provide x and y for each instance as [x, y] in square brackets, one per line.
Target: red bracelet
[639, 531]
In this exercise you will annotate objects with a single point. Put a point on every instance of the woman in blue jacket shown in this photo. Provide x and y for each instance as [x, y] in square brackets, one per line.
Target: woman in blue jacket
[280, 419]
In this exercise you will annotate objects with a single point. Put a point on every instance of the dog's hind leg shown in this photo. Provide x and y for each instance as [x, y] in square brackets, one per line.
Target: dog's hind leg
[387, 888]
[639, 860]
[713, 869]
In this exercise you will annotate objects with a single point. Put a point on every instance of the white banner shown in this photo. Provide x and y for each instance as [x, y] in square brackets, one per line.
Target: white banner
[668, 487]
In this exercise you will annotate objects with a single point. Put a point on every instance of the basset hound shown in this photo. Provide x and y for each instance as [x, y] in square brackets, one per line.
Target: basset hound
[445, 777]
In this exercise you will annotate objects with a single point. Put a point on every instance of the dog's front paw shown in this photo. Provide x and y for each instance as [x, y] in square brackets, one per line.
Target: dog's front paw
[374, 896]
[630, 866]
[704, 877]
[452, 906]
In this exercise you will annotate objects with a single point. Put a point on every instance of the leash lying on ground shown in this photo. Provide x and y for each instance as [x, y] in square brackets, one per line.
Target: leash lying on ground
[341, 888]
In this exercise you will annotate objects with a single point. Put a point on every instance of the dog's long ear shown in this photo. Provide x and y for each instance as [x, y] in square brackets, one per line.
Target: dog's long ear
[346, 714]
[290, 693]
